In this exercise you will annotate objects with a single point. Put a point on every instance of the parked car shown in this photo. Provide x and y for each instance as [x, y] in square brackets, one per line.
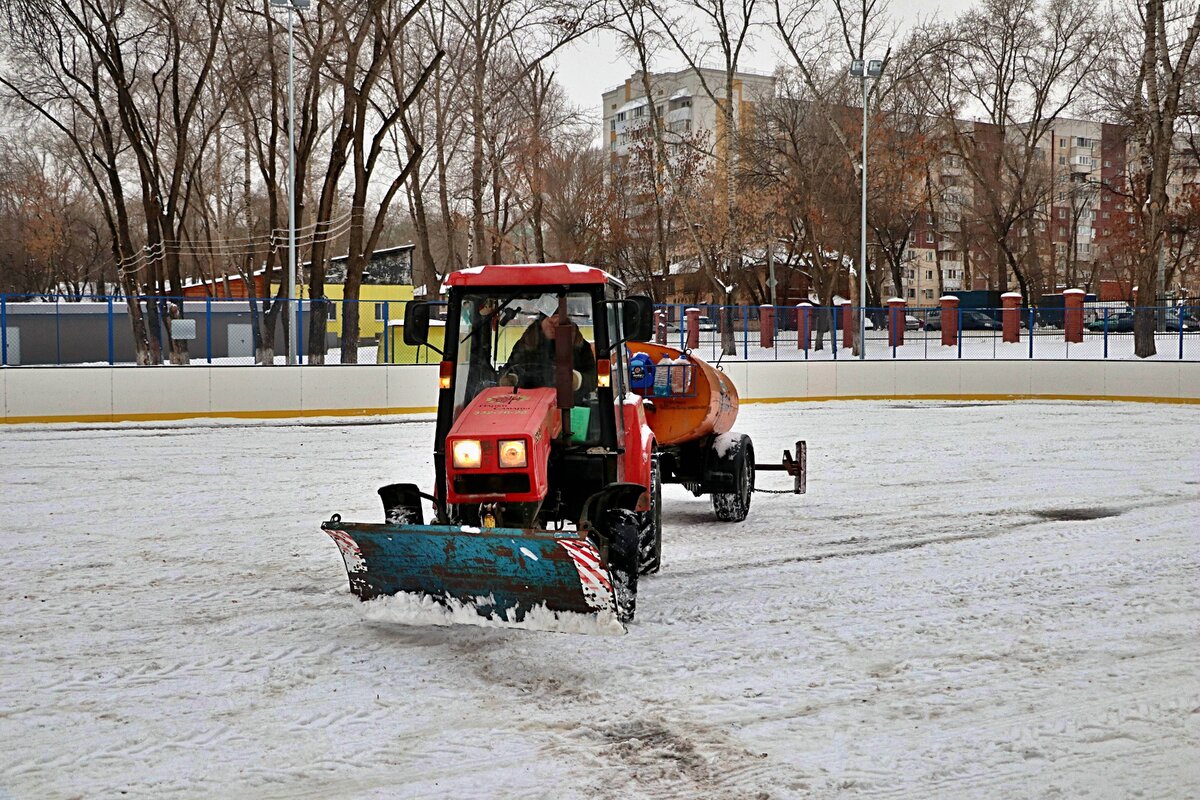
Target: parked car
[969, 321]
[1121, 322]
[1189, 322]
[911, 323]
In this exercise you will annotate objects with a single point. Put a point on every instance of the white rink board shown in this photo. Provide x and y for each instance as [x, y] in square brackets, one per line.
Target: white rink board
[104, 394]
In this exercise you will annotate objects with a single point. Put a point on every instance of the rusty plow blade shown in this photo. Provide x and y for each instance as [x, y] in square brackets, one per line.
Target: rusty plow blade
[448, 574]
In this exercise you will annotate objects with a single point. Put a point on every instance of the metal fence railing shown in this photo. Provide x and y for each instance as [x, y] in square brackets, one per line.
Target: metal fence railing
[977, 333]
[217, 331]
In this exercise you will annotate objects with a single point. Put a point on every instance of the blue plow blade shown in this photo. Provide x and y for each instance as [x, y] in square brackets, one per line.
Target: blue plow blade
[502, 573]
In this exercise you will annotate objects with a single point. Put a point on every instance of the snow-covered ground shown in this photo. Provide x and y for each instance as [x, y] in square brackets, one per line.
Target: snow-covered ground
[973, 600]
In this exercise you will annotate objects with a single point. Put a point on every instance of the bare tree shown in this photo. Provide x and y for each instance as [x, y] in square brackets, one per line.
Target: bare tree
[1020, 65]
[1149, 77]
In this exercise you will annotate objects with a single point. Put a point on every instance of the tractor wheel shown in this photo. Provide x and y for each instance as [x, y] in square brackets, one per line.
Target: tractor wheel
[622, 529]
[737, 460]
[650, 525]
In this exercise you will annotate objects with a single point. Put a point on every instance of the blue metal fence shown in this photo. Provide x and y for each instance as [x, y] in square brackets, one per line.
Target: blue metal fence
[218, 331]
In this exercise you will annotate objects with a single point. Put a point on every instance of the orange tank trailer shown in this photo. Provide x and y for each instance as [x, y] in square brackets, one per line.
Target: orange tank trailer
[709, 406]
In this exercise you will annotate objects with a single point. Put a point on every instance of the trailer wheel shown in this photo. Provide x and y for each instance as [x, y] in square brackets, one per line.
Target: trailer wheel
[739, 461]
[650, 525]
[621, 526]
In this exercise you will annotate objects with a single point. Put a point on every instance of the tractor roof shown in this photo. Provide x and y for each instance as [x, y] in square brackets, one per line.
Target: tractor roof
[530, 275]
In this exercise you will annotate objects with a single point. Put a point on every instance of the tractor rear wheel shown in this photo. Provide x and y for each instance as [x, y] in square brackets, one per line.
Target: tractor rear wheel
[650, 525]
[738, 460]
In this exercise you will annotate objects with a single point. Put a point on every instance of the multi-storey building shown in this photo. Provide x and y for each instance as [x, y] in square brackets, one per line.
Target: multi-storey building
[681, 101]
[1081, 168]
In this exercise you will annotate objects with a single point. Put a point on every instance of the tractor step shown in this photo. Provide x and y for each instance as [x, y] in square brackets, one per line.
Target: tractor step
[504, 574]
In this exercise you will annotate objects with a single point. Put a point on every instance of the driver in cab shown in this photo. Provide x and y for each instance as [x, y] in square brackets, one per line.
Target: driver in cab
[531, 363]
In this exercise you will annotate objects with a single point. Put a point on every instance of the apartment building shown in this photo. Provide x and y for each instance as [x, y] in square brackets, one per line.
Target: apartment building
[681, 101]
[1082, 161]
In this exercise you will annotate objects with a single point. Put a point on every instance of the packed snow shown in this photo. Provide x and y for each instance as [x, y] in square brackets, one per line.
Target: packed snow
[972, 600]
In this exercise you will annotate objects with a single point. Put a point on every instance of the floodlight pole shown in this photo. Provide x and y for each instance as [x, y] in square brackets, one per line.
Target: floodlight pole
[293, 316]
[865, 71]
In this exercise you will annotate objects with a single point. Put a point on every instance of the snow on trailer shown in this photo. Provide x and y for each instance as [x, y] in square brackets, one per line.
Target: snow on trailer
[976, 600]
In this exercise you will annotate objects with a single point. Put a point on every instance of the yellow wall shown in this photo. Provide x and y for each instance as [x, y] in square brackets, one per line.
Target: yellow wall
[397, 352]
[368, 295]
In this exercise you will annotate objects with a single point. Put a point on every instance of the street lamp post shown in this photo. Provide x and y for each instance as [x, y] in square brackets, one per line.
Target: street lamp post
[293, 318]
[873, 69]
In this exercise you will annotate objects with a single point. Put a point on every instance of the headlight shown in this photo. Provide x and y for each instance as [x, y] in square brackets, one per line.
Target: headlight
[467, 454]
[512, 453]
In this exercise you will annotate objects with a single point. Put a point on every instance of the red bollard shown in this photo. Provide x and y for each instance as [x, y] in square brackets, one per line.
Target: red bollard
[845, 318]
[949, 319]
[803, 325]
[1073, 315]
[766, 326]
[896, 320]
[1011, 316]
[660, 327]
[692, 315]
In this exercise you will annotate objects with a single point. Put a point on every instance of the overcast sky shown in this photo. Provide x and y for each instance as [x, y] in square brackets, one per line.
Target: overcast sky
[594, 66]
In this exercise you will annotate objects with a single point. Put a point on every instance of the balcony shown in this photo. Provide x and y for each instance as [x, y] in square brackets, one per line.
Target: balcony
[1082, 163]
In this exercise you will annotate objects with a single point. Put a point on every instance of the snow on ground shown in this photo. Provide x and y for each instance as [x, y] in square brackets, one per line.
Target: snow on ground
[973, 600]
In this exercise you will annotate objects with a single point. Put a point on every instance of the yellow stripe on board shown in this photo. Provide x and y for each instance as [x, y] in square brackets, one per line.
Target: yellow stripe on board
[978, 397]
[370, 412]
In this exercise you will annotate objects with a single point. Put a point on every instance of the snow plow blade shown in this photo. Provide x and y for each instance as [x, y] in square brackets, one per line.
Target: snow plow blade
[504, 574]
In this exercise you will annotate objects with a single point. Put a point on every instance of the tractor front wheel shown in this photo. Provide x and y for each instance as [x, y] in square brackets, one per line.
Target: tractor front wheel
[621, 527]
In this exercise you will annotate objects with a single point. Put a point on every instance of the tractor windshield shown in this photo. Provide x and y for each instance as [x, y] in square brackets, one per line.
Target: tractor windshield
[509, 340]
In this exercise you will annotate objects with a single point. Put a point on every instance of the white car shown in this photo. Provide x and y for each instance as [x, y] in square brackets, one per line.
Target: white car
[706, 324]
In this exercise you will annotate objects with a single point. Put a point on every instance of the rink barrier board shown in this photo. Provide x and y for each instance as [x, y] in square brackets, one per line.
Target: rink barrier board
[144, 394]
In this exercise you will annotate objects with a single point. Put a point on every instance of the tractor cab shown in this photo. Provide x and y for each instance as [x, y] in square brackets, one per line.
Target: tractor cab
[531, 388]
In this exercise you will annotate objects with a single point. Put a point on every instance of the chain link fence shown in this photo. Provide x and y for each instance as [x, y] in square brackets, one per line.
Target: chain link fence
[49, 331]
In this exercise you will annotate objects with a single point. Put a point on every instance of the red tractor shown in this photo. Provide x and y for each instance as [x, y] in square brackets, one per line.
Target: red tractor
[557, 424]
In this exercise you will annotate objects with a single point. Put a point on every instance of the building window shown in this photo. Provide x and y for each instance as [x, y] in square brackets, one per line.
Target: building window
[912, 293]
[1062, 142]
[1107, 163]
[1062, 196]
[1062, 213]
[928, 256]
[1062, 231]
[1062, 159]
[929, 237]
[380, 312]
[928, 274]
[928, 294]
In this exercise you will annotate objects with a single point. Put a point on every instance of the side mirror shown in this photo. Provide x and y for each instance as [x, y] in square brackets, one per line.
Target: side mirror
[416, 322]
[637, 315]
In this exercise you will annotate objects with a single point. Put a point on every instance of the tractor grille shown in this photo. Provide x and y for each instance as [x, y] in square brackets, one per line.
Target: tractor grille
[503, 484]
